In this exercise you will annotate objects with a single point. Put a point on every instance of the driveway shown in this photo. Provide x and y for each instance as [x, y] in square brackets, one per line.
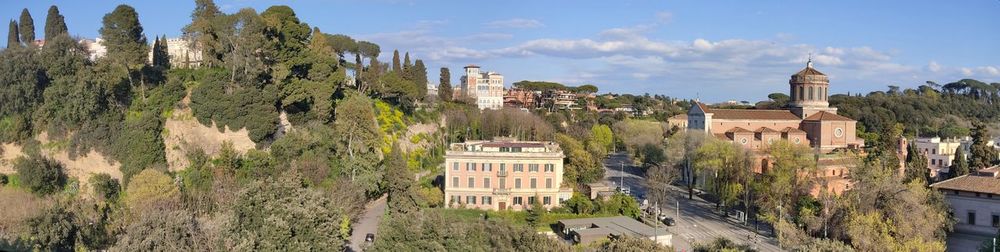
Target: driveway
[368, 223]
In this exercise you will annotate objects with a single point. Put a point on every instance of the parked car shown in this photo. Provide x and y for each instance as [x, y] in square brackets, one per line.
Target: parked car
[662, 217]
[669, 221]
[369, 238]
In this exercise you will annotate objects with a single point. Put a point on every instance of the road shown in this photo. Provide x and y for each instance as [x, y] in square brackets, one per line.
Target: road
[698, 222]
[368, 223]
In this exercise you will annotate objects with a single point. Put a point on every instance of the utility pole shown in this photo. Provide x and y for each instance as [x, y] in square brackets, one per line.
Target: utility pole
[621, 177]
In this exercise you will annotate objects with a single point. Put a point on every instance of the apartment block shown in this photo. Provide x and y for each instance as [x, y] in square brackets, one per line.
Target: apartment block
[504, 174]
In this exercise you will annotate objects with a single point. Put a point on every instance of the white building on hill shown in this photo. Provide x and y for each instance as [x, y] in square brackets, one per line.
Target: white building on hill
[486, 88]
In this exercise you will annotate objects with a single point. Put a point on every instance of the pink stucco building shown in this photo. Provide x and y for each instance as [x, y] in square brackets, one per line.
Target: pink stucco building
[504, 174]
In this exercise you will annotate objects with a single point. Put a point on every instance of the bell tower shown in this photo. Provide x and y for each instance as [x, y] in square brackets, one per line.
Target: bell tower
[808, 90]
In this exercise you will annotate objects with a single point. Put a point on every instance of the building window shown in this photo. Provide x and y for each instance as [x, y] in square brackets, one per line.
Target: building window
[743, 140]
[933, 161]
[801, 96]
[487, 200]
[456, 199]
[454, 181]
[471, 200]
[472, 182]
[503, 183]
[487, 167]
[972, 218]
[531, 200]
[518, 167]
[534, 183]
[470, 166]
[548, 183]
[548, 201]
[454, 166]
[532, 167]
[518, 201]
[517, 183]
[550, 167]
[503, 167]
[810, 93]
[839, 132]
[797, 140]
[486, 183]
[934, 151]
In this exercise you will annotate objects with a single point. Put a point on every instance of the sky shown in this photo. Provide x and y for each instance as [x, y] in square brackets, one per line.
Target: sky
[708, 50]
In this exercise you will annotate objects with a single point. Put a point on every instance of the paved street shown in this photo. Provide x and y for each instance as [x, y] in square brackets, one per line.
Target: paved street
[698, 222]
[368, 223]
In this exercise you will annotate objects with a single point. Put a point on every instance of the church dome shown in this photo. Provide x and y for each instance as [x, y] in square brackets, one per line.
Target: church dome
[809, 75]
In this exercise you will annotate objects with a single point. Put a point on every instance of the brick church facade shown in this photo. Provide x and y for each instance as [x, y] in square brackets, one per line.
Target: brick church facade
[809, 120]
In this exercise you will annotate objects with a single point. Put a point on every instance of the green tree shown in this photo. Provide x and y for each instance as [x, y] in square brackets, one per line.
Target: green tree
[13, 39]
[580, 166]
[601, 135]
[53, 230]
[395, 62]
[23, 80]
[535, 213]
[419, 72]
[342, 44]
[959, 166]
[782, 185]
[368, 49]
[981, 154]
[916, 165]
[205, 29]
[358, 147]
[579, 204]
[160, 57]
[27, 28]
[40, 175]
[126, 44]
[622, 204]
[406, 61]
[55, 24]
[287, 35]
[728, 165]
[162, 230]
[445, 91]
[402, 191]
[105, 187]
[247, 56]
[283, 216]
[627, 243]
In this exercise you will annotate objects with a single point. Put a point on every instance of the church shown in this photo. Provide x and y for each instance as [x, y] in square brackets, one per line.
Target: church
[809, 120]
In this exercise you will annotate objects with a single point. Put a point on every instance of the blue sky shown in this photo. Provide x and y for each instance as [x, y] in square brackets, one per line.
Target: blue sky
[712, 50]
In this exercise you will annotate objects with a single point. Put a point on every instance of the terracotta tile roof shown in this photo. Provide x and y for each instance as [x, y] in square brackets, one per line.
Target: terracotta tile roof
[722, 136]
[753, 114]
[808, 71]
[827, 116]
[766, 130]
[738, 130]
[792, 130]
[679, 116]
[982, 182]
[702, 106]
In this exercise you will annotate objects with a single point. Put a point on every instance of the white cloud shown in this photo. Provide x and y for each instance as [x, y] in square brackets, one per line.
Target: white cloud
[518, 23]
[933, 66]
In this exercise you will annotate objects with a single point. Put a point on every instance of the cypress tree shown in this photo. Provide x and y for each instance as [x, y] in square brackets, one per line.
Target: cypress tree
[13, 39]
[27, 28]
[444, 86]
[406, 61]
[358, 65]
[959, 166]
[395, 61]
[419, 75]
[55, 23]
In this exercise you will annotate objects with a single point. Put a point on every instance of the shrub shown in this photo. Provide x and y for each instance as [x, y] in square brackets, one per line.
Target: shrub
[105, 187]
[40, 175]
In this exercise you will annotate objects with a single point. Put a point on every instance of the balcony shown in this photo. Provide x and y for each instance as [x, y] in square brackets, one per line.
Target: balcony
[501, 191]
[502, 173]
